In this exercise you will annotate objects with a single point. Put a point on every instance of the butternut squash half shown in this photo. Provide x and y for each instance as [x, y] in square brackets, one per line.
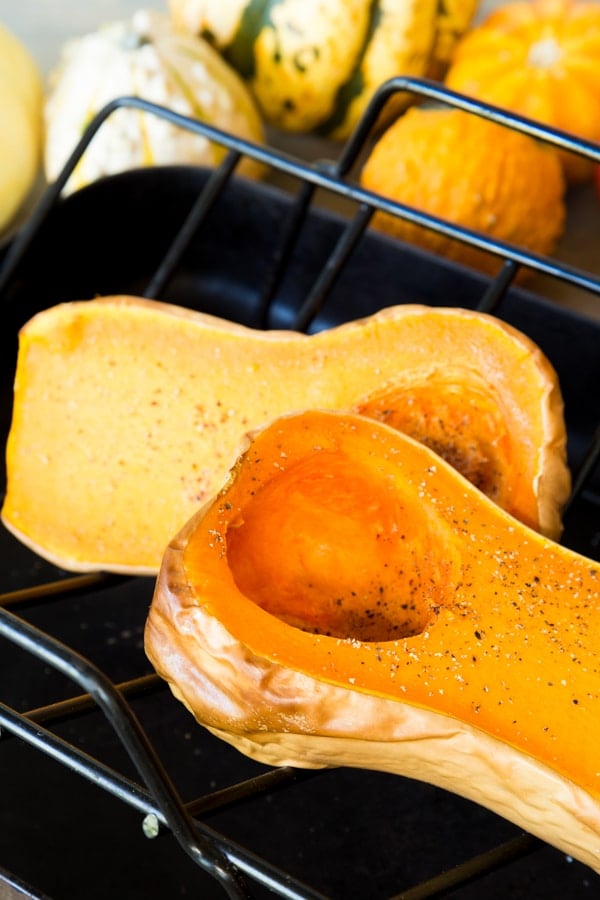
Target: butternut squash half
[349, 599]
[128, 412]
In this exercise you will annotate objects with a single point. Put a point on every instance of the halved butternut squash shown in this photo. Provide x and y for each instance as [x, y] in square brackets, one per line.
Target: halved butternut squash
[127, 414]
[349, 599]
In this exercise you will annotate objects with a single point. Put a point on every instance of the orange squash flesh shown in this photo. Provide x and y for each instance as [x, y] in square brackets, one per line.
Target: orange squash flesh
[348, 598]
[127, 414]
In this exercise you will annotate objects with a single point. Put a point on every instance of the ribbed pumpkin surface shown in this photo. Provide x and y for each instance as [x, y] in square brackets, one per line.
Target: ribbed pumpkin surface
[143, 57]
[539, 59]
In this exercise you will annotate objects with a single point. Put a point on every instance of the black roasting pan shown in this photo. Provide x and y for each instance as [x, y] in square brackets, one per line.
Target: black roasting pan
[340, 834]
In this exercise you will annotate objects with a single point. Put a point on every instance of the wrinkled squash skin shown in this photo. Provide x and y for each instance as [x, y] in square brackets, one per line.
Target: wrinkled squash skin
[116, 394]
[349, 599]
[314, 66]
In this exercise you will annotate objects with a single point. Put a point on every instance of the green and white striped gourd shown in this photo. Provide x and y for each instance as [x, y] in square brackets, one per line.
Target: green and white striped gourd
[313, 65]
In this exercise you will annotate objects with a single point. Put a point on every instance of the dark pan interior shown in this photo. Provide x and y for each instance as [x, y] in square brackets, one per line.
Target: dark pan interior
[346, 834]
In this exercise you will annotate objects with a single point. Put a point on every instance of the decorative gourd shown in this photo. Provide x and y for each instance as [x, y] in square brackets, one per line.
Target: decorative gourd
[538, 59]
[474, 173]
[21, 95]
[314, 66]
[453, 20]
[143, 57]
[128, 412]
[349, 599]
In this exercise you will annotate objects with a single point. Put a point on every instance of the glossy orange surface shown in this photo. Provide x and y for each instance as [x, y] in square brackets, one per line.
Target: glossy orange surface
[347, 551]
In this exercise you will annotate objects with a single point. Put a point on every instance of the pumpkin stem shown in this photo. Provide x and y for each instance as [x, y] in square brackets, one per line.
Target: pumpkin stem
[544, 53]
[132, 40]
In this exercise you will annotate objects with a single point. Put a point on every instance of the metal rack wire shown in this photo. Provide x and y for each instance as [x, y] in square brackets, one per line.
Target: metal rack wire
[151, 792]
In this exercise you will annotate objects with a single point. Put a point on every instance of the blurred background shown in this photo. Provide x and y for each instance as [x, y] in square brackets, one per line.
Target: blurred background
[45, 25]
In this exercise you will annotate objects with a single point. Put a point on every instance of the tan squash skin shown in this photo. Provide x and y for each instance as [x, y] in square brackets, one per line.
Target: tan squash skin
[491, 686]
[128, 413]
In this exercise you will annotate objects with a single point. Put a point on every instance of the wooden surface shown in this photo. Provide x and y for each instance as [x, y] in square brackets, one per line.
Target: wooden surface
[44, 26]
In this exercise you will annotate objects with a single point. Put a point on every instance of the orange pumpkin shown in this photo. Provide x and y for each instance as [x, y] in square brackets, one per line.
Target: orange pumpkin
[474, 173]
[540, 59]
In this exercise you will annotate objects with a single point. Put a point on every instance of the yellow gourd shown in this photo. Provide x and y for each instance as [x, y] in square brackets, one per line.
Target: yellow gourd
[21, 97]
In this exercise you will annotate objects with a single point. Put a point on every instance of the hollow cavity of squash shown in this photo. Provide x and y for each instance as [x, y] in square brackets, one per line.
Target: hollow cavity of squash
[316, 545]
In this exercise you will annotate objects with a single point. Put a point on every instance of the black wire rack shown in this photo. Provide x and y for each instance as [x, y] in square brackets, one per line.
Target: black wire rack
[140, 780]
